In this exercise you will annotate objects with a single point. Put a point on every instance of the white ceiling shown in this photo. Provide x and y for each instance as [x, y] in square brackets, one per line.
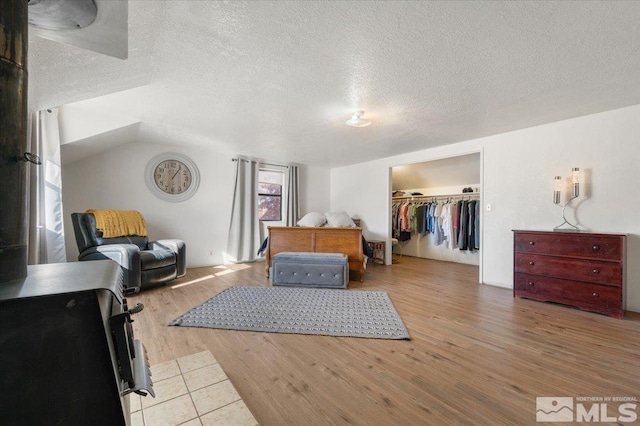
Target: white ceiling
[277, 80]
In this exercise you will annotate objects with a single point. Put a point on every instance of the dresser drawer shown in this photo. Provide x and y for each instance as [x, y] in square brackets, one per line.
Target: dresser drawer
[570, 244]
[608, 273]
[569, 292]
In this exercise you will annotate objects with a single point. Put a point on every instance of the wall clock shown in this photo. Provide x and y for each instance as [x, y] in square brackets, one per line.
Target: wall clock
[172, 177]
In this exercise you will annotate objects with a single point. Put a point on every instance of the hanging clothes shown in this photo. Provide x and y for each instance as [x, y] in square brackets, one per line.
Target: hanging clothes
[414, 217]
[419, 216]
[447, 224]
[432, 217]
[437, 219]
[404, 217]
[400, 223]
[464, 225]
[425, 220]
[477, 226]
[456, 224]
[394, 218]
[471, 231]
[455, 210]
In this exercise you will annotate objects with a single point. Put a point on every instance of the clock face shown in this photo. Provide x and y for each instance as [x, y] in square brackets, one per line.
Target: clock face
[172, 176]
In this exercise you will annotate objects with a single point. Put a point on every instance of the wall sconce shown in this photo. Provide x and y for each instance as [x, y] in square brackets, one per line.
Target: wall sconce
[556, 190]
[575, 178]
[575, 186]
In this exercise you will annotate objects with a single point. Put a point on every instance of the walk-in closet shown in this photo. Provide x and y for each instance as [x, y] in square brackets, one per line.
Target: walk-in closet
[436, 209]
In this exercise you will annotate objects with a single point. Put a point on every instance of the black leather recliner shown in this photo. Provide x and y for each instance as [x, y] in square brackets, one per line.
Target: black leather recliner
[144, 263]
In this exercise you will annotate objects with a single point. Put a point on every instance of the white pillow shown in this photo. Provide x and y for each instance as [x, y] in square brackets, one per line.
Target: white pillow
[339, 220]
[313, 219]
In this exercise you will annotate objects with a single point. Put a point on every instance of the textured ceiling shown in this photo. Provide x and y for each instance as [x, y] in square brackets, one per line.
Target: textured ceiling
[277, 80]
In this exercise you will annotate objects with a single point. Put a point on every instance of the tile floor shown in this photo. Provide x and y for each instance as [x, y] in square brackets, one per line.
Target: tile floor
[191, 391]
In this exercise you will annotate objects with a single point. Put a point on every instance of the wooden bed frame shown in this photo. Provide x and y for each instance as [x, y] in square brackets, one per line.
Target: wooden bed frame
[320, 240]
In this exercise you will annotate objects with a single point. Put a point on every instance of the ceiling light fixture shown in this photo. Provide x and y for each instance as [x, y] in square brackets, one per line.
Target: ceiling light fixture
[357, 121]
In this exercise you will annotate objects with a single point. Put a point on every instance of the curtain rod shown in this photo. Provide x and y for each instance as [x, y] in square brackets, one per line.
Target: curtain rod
[266, 164]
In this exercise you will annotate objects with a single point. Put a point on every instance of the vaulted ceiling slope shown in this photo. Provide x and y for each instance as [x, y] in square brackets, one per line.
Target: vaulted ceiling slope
[278, 79]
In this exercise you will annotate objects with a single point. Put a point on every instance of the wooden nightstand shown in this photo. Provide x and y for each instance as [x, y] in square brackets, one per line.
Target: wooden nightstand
[379, 251]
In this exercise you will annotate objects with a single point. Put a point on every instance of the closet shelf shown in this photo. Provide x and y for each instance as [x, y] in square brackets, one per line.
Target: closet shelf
[414, 197]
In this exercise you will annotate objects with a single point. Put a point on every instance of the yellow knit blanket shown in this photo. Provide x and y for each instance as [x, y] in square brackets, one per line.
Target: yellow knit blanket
[118, 223]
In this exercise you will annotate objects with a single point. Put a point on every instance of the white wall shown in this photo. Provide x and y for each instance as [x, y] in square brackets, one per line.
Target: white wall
[517, 179]
[115, 180]
[314, 191]
[455, 171]
[78, 122]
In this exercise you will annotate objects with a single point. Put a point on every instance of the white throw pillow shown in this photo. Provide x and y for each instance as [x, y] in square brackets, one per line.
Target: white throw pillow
[313, 219]
[339, 220]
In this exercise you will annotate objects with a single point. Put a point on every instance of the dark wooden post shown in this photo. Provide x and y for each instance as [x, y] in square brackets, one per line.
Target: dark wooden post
[13, 139]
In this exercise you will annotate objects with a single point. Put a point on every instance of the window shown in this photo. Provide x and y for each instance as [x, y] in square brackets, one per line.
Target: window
[270, 195]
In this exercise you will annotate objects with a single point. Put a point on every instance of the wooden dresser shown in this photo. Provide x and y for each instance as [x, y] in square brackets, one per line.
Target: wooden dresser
[581, 269]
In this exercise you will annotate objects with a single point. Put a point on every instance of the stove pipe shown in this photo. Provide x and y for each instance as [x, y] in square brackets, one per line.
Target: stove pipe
[13, 139]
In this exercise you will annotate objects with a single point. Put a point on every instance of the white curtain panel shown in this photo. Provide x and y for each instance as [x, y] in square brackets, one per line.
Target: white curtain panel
[293, 203]
[46, 230]
[244, 229]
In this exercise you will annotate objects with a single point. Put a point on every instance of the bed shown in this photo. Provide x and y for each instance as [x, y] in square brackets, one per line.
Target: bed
[318, 240]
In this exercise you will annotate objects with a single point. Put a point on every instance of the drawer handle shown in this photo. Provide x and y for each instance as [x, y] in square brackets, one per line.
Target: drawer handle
[532, 263]
[530, 283]
[595, 271]
[595, 248]
[532, 243]
[595, 294]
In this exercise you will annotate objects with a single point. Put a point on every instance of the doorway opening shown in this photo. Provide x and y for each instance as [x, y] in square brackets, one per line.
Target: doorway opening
[436, 210]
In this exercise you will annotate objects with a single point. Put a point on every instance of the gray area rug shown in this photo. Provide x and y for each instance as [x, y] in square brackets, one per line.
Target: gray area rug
[333, 312]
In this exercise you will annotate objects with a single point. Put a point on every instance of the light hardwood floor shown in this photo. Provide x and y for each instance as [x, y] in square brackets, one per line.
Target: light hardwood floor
[476, 355]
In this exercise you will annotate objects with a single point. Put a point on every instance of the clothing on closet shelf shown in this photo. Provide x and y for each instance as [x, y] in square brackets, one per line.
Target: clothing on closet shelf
[453, 223]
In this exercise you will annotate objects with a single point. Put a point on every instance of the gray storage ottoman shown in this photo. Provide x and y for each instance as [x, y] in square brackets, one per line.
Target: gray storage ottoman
[310, 269]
